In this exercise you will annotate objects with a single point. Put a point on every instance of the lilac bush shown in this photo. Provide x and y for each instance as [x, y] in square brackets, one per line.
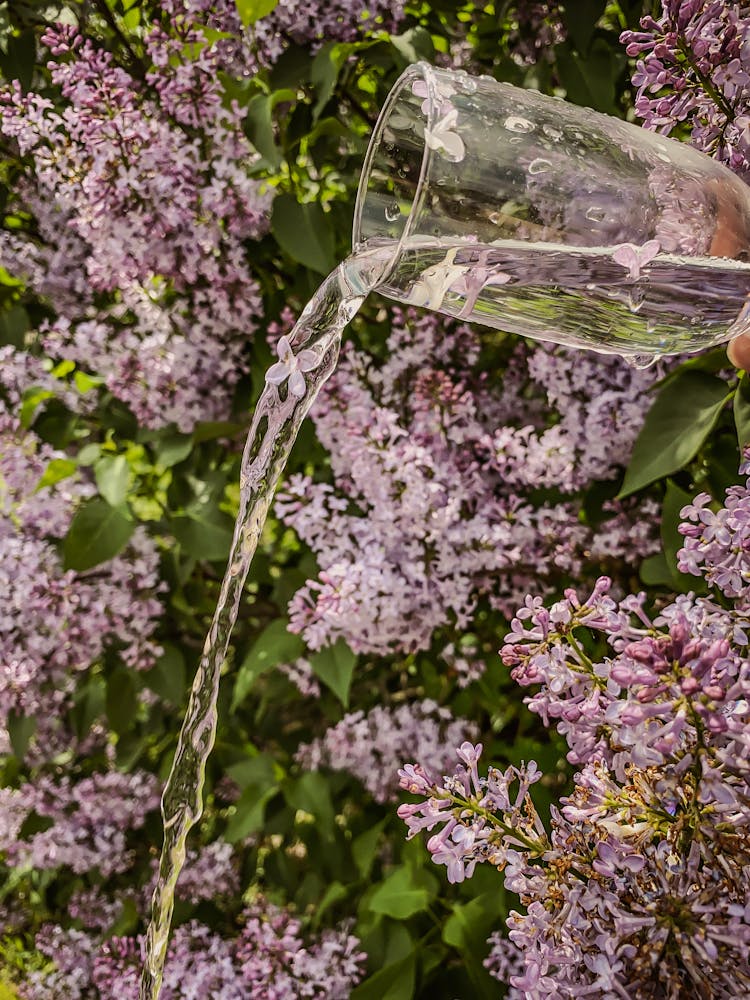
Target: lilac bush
[640, 887]
[176, 177]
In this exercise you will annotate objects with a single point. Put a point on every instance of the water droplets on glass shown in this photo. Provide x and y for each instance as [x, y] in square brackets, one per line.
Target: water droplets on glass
[539, 166]
[552, 133]
[392, 212]
[514, 123]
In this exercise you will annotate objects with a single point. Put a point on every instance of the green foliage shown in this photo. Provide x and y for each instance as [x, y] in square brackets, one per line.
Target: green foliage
[304, 232]
[335, 667]
[680, 420]
[97, 533]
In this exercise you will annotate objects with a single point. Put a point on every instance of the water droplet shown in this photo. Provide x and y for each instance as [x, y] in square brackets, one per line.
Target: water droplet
[515, 140]
[517, 124]
[495, 218]
[539, 166]
[552, 132]
[641, 361]
[595, 213]
[392, 212]
[468, 85]
[399, 122]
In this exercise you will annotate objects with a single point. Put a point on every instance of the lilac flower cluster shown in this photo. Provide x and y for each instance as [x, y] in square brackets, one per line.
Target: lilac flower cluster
[642, 887]
[434, 464]
[112, 607]
[89, 820]
[319, 22]
[717, 543]
[370, 746]
[270, 960]
[539, 27]
[142, 202]
[693, 67]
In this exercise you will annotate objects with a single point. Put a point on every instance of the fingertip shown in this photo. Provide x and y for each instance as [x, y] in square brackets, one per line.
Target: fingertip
[738, 352]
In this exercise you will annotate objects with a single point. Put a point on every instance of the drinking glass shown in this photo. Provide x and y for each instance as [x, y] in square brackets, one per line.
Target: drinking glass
[517, 210]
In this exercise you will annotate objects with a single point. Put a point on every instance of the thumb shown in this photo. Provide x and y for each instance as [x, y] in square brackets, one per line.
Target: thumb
[738, 351]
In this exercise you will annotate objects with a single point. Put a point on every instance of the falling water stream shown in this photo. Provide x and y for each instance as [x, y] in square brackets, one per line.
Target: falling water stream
[314, 346]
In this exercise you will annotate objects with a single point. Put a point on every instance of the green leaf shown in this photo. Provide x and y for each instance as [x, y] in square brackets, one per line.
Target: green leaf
[250, 813]
[413, 45]
[127, 919]
[682, 416]
[17, 62]
[112, 474]
[311, 793]
[467, 930]
[274, 645]
[304, 233]
[672, 541]
[172, 448]
[400, 895]
[257, 771]
[365, 847]
[85, 383]
[20, 730]
[259, 128]
[202, 539]
[32, 400]
[325, 71]
[14, 323]
[122, 700]
[333, 894]
[742, 410]
[394, 982]
[335, 667]
[251, 11]
[167, 677]
[97, 532]
[655, 571]
[580, 19]
[590, 80]
[57, 470]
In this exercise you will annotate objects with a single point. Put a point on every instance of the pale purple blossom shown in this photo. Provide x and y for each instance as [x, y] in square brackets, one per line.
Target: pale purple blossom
[371, 746]
[290, 367]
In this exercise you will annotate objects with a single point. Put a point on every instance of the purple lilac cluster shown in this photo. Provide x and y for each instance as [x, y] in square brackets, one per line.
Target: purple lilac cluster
[434, 464]
[245, 52]
[321, 21]
[693, 67]
[113, 607]
[642, 886]
[539, 27]
[370, 746]
[269, 960]
[88, 820]
[717, 543]
[143, 204]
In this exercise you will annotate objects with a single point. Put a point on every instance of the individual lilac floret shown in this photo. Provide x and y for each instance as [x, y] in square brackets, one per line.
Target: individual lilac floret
[291, 366]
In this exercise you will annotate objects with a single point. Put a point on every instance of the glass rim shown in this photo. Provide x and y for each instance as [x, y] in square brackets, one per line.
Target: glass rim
[416, 71]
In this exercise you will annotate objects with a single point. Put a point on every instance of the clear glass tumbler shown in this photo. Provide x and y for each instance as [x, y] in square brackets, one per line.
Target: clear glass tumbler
[531, 215]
